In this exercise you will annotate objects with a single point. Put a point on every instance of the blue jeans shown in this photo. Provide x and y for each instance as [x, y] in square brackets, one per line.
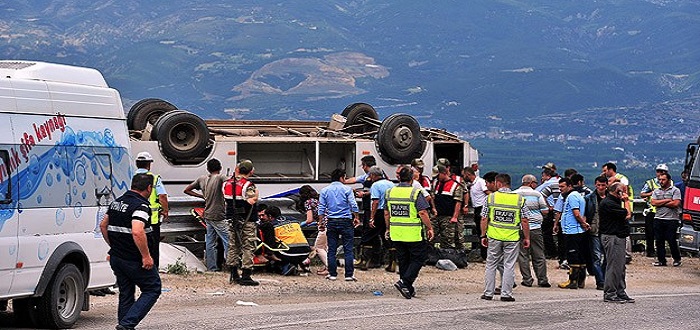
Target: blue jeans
[335, 230]
[129, 275]
[215, 229]
[597, 255]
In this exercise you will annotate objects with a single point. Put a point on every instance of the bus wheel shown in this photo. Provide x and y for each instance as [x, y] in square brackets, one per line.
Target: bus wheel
[399, 139]
[160, 121]
[62, 301]
[354, 115]
[183, 135]
[146, 111]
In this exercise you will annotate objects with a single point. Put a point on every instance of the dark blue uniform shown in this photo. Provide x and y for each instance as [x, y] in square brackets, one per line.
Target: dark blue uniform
[126, 260]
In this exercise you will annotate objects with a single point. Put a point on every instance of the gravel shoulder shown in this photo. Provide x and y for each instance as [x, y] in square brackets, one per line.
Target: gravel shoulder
[212, 288]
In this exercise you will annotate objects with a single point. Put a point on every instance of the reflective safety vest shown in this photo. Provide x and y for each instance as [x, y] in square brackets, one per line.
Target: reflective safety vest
[504, 216]
[404, 223]
[653, 184]
[155, 203]
[291, 234]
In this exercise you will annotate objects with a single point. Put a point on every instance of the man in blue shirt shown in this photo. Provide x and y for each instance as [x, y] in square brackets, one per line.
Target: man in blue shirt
[573, 225]
[337, 203]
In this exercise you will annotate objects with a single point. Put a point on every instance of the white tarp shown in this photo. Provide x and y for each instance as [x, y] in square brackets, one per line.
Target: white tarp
[170, 253]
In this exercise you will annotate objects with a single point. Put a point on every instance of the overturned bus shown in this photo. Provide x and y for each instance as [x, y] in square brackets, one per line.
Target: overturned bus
[286, 154]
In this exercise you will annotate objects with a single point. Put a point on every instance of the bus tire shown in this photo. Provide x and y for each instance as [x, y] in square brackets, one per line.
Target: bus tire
[183, 135]
[399, 139]
[159, 121]
[145, 111]
[62, 301]
[354, 113]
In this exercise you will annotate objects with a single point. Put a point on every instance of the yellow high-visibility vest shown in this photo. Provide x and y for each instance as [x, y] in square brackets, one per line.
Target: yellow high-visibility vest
[404, 223]
[504, 216]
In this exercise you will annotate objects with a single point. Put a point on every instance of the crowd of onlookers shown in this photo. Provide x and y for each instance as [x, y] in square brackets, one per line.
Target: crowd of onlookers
[587, 230]
[562, 214]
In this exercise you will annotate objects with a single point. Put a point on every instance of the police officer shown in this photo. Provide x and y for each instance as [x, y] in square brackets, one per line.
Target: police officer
[158, 200]
[501, 222]
[650, 211]
[405, 215]
[128, 231]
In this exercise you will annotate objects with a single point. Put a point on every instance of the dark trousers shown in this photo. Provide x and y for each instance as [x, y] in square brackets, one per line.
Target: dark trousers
[666, 231]
[155, 247]
[477, 230]
[374, 237]
[336, 230]
[550, 247]
[575, 246]
[129, 275]
[649, 232]
[411, 257]
[562, 246]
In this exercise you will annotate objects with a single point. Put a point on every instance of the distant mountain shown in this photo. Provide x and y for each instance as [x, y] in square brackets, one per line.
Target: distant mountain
[450, 63]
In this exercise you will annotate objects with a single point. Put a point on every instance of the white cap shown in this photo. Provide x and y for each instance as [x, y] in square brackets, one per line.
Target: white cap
[144, 156]
[662, 167]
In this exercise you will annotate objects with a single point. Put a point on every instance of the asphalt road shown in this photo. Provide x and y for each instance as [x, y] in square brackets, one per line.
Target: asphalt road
[535, 308]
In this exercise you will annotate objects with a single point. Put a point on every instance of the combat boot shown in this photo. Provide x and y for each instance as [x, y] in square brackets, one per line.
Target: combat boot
[572, 283]
[234, 278]
[246, 280]
[582, 277]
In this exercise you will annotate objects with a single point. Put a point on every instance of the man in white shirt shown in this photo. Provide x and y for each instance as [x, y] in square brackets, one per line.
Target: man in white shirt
[477, 194]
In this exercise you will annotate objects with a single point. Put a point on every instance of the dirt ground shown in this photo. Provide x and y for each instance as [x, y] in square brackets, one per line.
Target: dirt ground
[200, 288]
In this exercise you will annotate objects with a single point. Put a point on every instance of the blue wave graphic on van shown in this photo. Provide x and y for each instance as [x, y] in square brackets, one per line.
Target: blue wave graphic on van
[82, 163]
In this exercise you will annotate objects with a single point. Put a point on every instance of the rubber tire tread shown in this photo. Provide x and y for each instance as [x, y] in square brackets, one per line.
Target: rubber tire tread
[142, 110]
[171, 122]
[46, 304]
[354, 112]
[394, 154]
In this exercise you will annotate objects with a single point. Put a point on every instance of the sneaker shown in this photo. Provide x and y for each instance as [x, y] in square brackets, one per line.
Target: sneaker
[485, 297]
[523, 283]
[599, 287]
[677, 263]
[544, 285]
[628, 260]
[350, 279]
[507, 298]
[403, 290]
[564, 265]
[616, 300]
[627, 299]
[331, 277]
[659, 264]
[121, 327]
